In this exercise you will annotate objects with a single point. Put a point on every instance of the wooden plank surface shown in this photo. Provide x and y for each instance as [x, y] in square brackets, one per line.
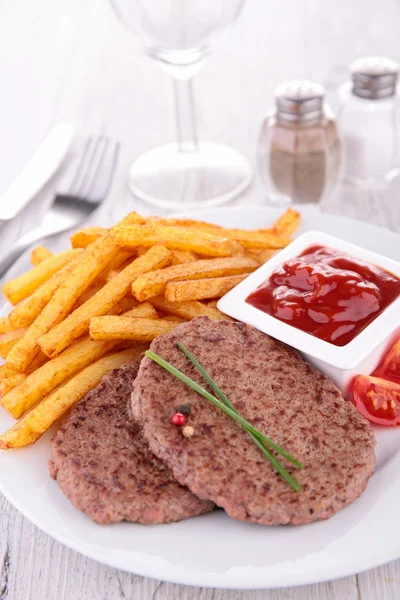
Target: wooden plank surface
[71, 60]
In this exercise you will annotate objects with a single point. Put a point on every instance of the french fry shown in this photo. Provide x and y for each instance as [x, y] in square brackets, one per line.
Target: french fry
[23, 286]
[153, 284]
[39, 254]
[201, 225]
[9, 383]
[284, 227]
[174, 319]
[94, 259]
[87, 235]
[6, 325]
[28, 309]
[132, 236]
[188, 310]
[9, 340]
[287, 224]
[77, 323]
[180, 257]
[128, 328]
[42, 381]
[52, 407]
[7, 371]
[257, 239]
[144, 310]
[200, 289]
[212, 304]
[122, 257]
[262, 255]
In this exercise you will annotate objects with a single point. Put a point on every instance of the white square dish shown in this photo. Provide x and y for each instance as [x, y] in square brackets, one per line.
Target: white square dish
[341, 363]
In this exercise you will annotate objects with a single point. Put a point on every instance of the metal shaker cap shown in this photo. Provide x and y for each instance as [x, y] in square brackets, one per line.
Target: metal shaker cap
[374, 77]
[299, 101]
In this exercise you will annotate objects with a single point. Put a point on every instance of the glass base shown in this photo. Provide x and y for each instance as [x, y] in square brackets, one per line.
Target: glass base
[168, 178]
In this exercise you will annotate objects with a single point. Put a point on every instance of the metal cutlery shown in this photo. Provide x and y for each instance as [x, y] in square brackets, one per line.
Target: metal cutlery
[88, 189]
[37, 172]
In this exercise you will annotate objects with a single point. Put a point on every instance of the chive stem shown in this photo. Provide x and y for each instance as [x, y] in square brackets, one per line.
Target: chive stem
[224, 399]
[227, 410]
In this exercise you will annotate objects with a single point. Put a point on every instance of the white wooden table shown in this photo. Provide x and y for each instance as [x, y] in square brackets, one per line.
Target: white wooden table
[71, 60]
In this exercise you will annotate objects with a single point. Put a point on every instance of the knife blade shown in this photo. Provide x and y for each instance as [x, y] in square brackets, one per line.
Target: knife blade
[37, 172]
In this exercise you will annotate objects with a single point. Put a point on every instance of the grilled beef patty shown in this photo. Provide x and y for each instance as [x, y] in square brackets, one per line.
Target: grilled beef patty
[104, 466]
[282, 395]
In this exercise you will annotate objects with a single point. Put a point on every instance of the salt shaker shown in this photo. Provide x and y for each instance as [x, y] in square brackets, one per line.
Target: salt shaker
[299, 147]
[368, 122]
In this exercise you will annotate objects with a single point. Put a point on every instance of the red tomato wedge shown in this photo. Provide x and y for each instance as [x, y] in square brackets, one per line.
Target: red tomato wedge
[390, 368]
[377, 399]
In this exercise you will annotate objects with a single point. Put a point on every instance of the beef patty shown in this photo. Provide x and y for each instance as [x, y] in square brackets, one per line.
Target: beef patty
[105, 467]
[278, 392]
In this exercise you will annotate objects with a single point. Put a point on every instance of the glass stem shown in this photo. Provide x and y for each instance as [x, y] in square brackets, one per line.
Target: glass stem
[185, 115]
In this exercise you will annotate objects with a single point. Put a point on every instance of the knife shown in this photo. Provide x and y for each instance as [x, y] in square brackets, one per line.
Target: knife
[40, 168]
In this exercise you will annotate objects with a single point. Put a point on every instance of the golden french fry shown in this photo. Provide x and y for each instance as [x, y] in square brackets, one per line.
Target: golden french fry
[39, 254]
[174, 238]
[53, 406]
[121, 260]
[23, 286]
[280, 231]
[128, 328]
[83, 237]
[287, 223]
[7, 371]
[212, 303]
[9, 340]
[77, 323]
[180, 257]
[200, 289]
[257, 239]
[153, 284]
[201, 225]
[6, 325]
[54, 372]
[174, 319]
[188, 310]
[261, 254]
[9, 383]
[87, 235]
[28, 309]
[94, 259]
[144, 310]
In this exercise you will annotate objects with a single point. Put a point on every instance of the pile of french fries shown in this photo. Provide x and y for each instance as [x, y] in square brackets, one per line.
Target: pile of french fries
[81, 313]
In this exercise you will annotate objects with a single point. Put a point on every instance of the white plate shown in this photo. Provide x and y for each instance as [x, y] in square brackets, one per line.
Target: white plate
[214, 550]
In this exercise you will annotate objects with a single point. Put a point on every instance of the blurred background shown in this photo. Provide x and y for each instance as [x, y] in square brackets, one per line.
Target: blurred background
[72, 60]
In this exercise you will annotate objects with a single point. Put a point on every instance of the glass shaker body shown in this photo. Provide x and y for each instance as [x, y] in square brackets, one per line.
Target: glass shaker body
[369, 131]
[299, 162]
[368, 122]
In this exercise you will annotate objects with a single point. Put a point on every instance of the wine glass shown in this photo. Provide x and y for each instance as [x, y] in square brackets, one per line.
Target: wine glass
[179, 35]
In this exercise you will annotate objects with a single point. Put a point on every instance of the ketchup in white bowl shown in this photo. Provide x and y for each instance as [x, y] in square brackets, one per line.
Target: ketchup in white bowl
[326, 293]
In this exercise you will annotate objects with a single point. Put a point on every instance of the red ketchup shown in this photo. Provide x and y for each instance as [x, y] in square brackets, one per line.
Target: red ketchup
[327, 293]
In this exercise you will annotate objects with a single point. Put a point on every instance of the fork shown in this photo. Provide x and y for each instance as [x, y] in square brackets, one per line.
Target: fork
[89, 187]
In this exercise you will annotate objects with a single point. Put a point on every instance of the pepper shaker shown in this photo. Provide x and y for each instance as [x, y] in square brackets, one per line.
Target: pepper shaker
[368, 122]
[299, 147]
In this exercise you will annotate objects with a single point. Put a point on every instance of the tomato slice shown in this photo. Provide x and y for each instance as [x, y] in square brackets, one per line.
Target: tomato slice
[390, 368]
[377, 399]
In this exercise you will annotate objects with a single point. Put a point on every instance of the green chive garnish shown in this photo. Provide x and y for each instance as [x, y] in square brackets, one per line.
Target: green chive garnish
[259, 438]
[224, 399]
